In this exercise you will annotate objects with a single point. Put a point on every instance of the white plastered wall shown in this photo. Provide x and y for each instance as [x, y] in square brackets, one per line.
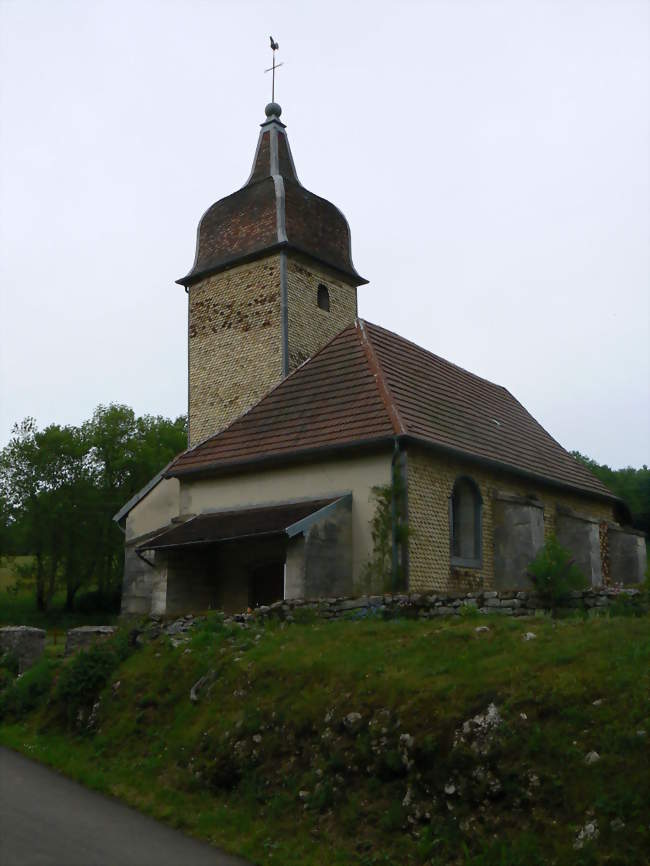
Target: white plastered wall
[155, 510]
[309, 481]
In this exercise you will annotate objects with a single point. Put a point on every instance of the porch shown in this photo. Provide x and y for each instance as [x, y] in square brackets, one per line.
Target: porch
[235, 559]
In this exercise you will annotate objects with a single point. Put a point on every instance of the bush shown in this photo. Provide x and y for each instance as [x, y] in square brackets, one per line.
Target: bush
[554, 573]
[9, 663]
[27, 692]
[87, 673]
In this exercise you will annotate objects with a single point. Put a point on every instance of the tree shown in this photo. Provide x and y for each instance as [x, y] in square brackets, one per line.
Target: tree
[631, 485]
[59, 489]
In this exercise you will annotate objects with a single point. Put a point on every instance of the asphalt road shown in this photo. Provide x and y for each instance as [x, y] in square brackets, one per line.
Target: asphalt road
[48, 820]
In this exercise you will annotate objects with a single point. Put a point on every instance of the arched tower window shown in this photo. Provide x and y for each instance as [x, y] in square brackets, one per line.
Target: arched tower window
[323, 297]
[465, 523]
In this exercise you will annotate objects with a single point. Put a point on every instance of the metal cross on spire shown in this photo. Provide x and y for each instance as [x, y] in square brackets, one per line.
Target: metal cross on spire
[274, 48]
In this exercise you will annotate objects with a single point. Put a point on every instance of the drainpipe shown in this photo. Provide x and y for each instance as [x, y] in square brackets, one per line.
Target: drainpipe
[394, 515]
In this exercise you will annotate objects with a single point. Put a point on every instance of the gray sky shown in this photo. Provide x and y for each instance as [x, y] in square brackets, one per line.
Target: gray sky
[491, 158]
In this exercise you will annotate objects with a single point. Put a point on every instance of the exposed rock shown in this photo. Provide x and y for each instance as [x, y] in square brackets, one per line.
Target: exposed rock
[591, 758]
[92, 718]
[352, 721]
[481, 629]
[206, 680]
[478, 732]
[530, 635]
[588, 833]
[617, 825]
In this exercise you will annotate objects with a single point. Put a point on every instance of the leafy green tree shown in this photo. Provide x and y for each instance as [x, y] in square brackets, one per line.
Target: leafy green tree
[631, 485]
[59, 489]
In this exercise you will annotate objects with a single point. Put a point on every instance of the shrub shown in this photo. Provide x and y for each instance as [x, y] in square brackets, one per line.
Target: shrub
[9, 663]
[555, 574]
[27, 692]
[87, 673]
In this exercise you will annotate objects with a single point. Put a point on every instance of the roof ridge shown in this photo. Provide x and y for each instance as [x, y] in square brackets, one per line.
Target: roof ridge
[382, 386]
[434, 355]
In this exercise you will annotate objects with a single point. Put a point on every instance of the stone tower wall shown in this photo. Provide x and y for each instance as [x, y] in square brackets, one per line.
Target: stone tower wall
[310, 328]
[238, 327]
[234, 343]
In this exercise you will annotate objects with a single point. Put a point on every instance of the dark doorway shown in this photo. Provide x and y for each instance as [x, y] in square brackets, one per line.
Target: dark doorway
[267, 584]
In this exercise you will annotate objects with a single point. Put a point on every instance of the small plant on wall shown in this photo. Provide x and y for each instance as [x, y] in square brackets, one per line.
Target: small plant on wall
[390, 533]
[554, 573]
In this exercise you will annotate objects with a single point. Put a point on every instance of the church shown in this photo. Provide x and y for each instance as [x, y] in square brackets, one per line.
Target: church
[299, 411]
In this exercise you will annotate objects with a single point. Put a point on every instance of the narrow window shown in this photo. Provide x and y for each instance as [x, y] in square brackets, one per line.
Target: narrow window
[465, 514]
[323, 298]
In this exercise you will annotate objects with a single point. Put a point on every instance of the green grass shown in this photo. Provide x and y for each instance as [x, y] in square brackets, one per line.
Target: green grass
[201, 768]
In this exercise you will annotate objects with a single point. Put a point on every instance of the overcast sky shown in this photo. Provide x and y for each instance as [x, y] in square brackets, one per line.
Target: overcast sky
[491, 158]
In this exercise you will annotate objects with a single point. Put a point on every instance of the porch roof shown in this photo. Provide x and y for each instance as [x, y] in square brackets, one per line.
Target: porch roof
[288, 518]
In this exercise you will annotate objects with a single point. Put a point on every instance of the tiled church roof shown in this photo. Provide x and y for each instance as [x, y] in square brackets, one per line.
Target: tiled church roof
[272, 211]
[369, 385]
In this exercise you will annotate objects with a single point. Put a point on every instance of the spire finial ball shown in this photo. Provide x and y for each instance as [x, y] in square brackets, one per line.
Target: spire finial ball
[273, 110]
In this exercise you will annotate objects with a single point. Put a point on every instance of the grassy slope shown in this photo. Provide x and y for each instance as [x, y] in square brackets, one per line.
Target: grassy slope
[175, 759]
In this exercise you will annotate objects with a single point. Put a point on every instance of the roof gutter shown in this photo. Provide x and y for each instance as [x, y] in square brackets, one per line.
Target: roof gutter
[267, 460]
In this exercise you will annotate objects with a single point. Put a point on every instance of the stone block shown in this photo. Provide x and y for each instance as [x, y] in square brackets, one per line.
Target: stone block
[580, 535]
[518, 536]
[627, 555]
[85, 636]
[26, 644]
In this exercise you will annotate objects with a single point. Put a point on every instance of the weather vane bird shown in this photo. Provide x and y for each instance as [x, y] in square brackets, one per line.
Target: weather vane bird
[274, 47]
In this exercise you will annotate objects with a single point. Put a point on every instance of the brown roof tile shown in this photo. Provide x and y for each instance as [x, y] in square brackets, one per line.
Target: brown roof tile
[368, 385]
[239, 523]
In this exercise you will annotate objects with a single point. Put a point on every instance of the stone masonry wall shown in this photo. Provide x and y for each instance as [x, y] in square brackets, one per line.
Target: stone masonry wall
[310, 328]
[86, 636]
[430, 482]
[23, 642]
[235, 343]
[428, 606]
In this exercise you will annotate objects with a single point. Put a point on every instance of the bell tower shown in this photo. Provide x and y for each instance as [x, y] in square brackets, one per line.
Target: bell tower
[272, 282]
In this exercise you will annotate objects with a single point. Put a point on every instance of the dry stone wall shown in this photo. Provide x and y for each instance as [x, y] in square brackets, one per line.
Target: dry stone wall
[85, 636]
[26, 644]
[429, 606]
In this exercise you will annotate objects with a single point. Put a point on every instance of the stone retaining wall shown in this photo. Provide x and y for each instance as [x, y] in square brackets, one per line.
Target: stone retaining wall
[426, 606]
[23, 642]
[85, 636]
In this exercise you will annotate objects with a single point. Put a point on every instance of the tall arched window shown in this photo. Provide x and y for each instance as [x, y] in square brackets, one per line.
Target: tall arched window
[323, 297]
[465, 523]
